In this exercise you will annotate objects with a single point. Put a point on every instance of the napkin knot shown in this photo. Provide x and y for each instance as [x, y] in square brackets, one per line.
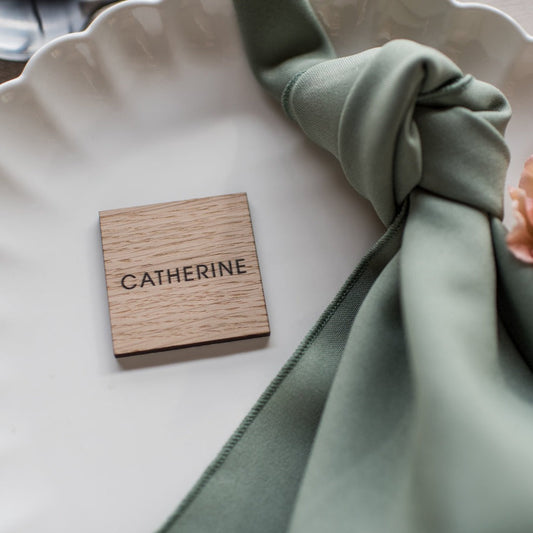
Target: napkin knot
[403, 116]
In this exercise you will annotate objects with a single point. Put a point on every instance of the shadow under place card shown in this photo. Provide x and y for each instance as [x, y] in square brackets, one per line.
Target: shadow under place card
[182, 274]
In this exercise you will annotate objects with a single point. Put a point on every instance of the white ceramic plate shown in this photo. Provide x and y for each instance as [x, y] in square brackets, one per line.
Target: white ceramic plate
[155, 103]
[518, 11]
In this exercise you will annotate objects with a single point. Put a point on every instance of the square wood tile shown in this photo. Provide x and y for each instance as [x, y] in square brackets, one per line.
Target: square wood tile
[181, 274]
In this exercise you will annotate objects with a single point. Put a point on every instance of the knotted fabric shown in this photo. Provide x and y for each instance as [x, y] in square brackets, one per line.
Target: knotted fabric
[408, 408]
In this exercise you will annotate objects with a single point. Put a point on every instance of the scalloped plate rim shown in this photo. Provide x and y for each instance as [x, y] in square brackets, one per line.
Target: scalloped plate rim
[42, 53]
[502, 14]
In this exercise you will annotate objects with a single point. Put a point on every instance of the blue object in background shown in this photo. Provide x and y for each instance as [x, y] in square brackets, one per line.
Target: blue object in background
[26, 25]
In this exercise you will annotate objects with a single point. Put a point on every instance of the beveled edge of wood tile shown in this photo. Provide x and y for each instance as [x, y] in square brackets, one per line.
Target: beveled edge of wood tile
[110, 212]
[264, 334]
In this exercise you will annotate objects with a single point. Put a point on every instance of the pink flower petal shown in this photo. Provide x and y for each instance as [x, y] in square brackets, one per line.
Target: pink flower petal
[519, 233]
[520, 241]
[528, 211]
[526, 179]
[520, 238]
[519, 198]
[522, 252]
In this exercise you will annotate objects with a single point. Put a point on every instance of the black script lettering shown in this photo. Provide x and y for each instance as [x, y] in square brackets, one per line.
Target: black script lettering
[176, 275]
[187, 273]
[147, 279]
[240, 268]
[122, 282]
[228, 269]
[201, 271]
[158, 272]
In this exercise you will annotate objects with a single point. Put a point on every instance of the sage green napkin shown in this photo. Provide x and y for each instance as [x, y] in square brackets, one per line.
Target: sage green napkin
[408, 408]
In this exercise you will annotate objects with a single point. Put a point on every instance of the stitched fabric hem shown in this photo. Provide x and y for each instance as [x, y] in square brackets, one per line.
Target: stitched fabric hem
[328, 313]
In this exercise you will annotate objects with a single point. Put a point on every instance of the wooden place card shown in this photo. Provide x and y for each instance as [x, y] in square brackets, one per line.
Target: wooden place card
[181, 274]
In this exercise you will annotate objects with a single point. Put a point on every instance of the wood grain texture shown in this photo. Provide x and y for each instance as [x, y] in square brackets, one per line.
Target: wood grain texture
[181, 274]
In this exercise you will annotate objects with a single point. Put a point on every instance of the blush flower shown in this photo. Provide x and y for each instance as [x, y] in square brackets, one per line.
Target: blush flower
[520, 238]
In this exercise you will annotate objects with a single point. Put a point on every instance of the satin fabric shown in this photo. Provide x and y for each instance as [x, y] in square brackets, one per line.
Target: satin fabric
[408, 407]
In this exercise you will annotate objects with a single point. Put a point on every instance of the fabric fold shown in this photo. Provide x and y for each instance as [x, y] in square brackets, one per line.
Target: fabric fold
[408, 102]
[408, 408]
